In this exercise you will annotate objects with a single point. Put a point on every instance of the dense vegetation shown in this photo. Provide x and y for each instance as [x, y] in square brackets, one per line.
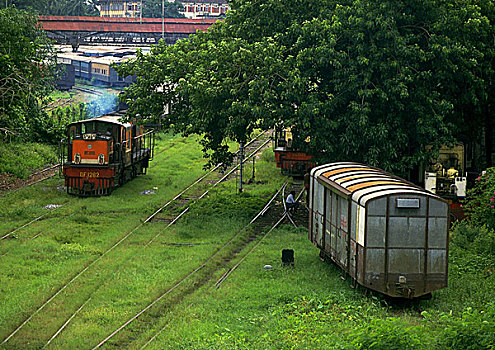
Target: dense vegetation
[21, 159]
[383, 78]
[27, 63]
[57, 8]
[153, 9]
[308, 306]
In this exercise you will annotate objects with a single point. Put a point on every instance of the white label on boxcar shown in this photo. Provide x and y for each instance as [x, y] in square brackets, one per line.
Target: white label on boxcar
[409, 203]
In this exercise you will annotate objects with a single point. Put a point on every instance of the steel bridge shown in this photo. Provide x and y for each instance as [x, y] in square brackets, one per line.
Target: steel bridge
[75, 31]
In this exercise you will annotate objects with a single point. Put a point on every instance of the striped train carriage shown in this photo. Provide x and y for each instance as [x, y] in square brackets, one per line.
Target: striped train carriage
[103, 153]
[388, 234]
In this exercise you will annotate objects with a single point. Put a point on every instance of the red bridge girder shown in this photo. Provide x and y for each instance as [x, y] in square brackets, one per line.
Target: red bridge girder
[123, 25]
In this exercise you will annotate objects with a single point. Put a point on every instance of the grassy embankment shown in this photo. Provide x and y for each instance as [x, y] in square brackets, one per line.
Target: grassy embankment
[305, 307]
[44, 256]
[21, 159]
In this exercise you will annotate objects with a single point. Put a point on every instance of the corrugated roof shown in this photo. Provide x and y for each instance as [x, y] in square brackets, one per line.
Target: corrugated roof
[363, 182]
[113, 118]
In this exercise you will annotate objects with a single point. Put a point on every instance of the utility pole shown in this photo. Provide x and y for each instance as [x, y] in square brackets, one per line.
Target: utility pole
[163, 19]
[241, 158]
[141, 13]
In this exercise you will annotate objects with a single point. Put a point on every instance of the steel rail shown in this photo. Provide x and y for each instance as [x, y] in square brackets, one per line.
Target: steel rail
[206, 192]
[62, 288]
[66, 323]
[229, 271]
[195, 183]
[182, 280]
[70, 282]
[261, 213]
[30, 222]
[7, 192]
[89, 91]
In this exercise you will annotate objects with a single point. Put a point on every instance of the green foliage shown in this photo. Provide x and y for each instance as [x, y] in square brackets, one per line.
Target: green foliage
[473, 330]
[153, 9]
[387, 334]
[20, 159]
[476, 239]
[50, 126]
[384, 79]
[227, 205]
[480, 203]
[27, 61]
[59, 7]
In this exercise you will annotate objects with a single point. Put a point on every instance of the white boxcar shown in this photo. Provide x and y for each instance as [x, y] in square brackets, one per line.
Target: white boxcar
[389, 235]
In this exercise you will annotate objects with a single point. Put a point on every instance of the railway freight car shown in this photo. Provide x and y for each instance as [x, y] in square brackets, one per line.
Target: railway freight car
[290, 160]
[103, 153]
[389, 235]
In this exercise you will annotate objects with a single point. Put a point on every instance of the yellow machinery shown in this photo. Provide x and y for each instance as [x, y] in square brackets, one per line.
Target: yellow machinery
[446, 174]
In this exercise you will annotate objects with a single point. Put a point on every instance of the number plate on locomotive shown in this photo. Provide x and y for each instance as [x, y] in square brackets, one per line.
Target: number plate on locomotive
[89, 174]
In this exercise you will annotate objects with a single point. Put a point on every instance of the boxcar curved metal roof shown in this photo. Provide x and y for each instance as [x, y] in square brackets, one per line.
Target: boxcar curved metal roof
[364, 183]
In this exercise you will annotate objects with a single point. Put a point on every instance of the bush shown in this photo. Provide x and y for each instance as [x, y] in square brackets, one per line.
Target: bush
[474, 330]
[477, 239]
[480, 204]
[388, 334]
[20, 159]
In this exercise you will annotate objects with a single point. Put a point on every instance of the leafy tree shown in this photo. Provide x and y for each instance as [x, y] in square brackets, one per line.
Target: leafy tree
[153, 9]
[27, 60]
[58, 7]
[367, 80]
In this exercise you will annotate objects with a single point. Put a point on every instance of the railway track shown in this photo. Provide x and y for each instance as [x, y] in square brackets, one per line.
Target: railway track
[258, 144]
[180, 204]
[182, 197]
[89, 91]
[34, 178]
[223, 258]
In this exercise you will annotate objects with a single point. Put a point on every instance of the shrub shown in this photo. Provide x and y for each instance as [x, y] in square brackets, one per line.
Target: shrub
[477, 239]
[20, 159]
[480, 204]
[388, 334]
[474, 330]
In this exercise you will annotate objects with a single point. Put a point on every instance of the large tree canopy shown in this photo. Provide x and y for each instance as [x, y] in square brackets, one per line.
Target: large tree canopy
[58, 7]
[27, 60]
[153, 9]
[368, 80]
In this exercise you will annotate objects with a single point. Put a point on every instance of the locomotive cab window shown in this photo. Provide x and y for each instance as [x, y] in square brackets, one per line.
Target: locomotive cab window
[104, 130]
[88, 128]
[72, 133]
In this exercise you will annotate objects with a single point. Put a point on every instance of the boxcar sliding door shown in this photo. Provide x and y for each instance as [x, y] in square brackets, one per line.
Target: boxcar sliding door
[318, 214]
[328, 222]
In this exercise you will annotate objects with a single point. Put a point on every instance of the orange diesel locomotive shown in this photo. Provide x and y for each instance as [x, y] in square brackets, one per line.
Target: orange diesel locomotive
[103, 153]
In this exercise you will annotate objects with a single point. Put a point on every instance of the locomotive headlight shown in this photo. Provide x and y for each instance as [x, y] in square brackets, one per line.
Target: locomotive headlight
[77, 158]
[101, 158]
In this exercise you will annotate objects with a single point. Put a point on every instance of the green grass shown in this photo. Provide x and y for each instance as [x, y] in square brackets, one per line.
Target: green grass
[20, 159]
[308, 306]
[56, 95]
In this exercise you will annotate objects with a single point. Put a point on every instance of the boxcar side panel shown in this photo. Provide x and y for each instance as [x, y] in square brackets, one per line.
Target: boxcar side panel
[328, 222]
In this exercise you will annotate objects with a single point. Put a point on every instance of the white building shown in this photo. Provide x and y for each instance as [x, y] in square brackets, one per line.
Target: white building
[205, 8]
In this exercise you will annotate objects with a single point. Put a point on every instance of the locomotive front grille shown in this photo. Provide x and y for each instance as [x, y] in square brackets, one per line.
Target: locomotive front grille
[79, 186]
